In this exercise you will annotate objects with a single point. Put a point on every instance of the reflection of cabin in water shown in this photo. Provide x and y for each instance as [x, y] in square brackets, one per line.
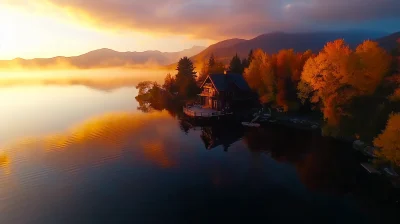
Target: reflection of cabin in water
[223, 91]
[219, 136]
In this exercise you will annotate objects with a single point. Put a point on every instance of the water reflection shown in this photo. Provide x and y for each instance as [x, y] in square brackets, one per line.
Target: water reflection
[151, 167]
[212, 134]
[109, 135]
[322, 164]
[5, 163]
[40, 110]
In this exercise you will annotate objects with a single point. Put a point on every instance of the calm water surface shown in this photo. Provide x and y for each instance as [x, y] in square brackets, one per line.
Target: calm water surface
[74, 154]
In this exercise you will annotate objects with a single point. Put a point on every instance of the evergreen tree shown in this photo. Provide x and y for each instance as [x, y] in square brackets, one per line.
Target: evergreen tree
[235, 66]
[245, 63]
[186, 78]
[250, 58]
[214, 66]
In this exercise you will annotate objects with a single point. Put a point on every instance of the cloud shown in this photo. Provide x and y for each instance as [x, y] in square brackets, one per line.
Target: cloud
[345, 10]
[226, 18]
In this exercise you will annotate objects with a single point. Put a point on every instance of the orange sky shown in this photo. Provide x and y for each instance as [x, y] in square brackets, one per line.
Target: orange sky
[38, 29]
[45, 28]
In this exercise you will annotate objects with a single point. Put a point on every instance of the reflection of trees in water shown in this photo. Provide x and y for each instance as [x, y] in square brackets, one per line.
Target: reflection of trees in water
[321, 163]
[173, 108]
[284, 144]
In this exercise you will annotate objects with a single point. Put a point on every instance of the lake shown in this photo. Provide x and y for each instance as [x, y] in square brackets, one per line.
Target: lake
[79, 154]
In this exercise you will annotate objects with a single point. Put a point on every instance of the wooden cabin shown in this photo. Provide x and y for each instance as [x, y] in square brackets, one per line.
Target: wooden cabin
[224, 91]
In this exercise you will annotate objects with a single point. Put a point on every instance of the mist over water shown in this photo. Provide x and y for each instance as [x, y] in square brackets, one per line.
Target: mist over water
[41, 102]
[95, 78]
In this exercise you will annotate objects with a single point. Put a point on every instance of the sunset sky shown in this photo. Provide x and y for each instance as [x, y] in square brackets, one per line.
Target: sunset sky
[46, 28]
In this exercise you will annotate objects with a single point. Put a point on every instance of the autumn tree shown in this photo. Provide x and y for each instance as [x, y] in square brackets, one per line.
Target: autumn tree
[286, 67]
[235, 66]
[389, 140]
[302, 58]
[186, 78]
[260, 76]
[393, 81]
[369, 65]
[326, 78]
[339, 80]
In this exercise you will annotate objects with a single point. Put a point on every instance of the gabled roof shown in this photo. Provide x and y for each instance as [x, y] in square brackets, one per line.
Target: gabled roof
[221, 81]
[239, 81]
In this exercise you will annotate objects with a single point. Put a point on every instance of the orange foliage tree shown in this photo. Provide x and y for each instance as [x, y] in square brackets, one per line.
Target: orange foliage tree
[389, 140]
[326, 77]
[337, 75]
[289, 67]
[275, 77]
[372, 64]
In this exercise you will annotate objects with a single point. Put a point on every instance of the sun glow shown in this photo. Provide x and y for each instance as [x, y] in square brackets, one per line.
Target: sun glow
[23, 34]
[42, 30]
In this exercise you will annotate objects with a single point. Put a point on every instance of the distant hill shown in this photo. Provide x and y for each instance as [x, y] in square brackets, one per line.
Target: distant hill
[273, 42]
[103, 58]
[389, 42]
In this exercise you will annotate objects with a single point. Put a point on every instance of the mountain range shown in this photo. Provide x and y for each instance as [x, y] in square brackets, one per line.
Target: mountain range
[223, 51]
[103, 58]
[300, 42]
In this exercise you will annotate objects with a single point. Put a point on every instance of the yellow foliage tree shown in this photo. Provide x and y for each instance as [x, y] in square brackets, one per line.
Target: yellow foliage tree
[260, 76]
[389, 140]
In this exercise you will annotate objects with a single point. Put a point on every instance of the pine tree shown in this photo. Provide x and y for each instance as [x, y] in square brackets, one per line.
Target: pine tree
[186, 78]
[250, 58]
[235, 66]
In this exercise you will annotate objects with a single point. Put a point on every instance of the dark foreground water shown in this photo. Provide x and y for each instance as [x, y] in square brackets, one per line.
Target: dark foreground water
[78, 155]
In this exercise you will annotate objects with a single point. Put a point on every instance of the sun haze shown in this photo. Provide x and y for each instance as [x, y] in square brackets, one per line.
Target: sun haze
[47, 28]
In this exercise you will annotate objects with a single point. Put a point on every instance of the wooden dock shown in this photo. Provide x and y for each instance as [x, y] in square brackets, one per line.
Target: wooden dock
[198, 111]
[370, 168]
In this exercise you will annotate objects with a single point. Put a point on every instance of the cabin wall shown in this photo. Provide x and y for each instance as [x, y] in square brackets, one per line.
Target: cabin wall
[209, 95]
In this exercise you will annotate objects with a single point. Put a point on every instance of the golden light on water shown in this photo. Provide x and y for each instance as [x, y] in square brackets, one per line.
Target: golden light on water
[108, 134]
[5, 164]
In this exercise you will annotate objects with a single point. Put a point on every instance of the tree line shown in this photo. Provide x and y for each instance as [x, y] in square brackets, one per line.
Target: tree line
[356, 91]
